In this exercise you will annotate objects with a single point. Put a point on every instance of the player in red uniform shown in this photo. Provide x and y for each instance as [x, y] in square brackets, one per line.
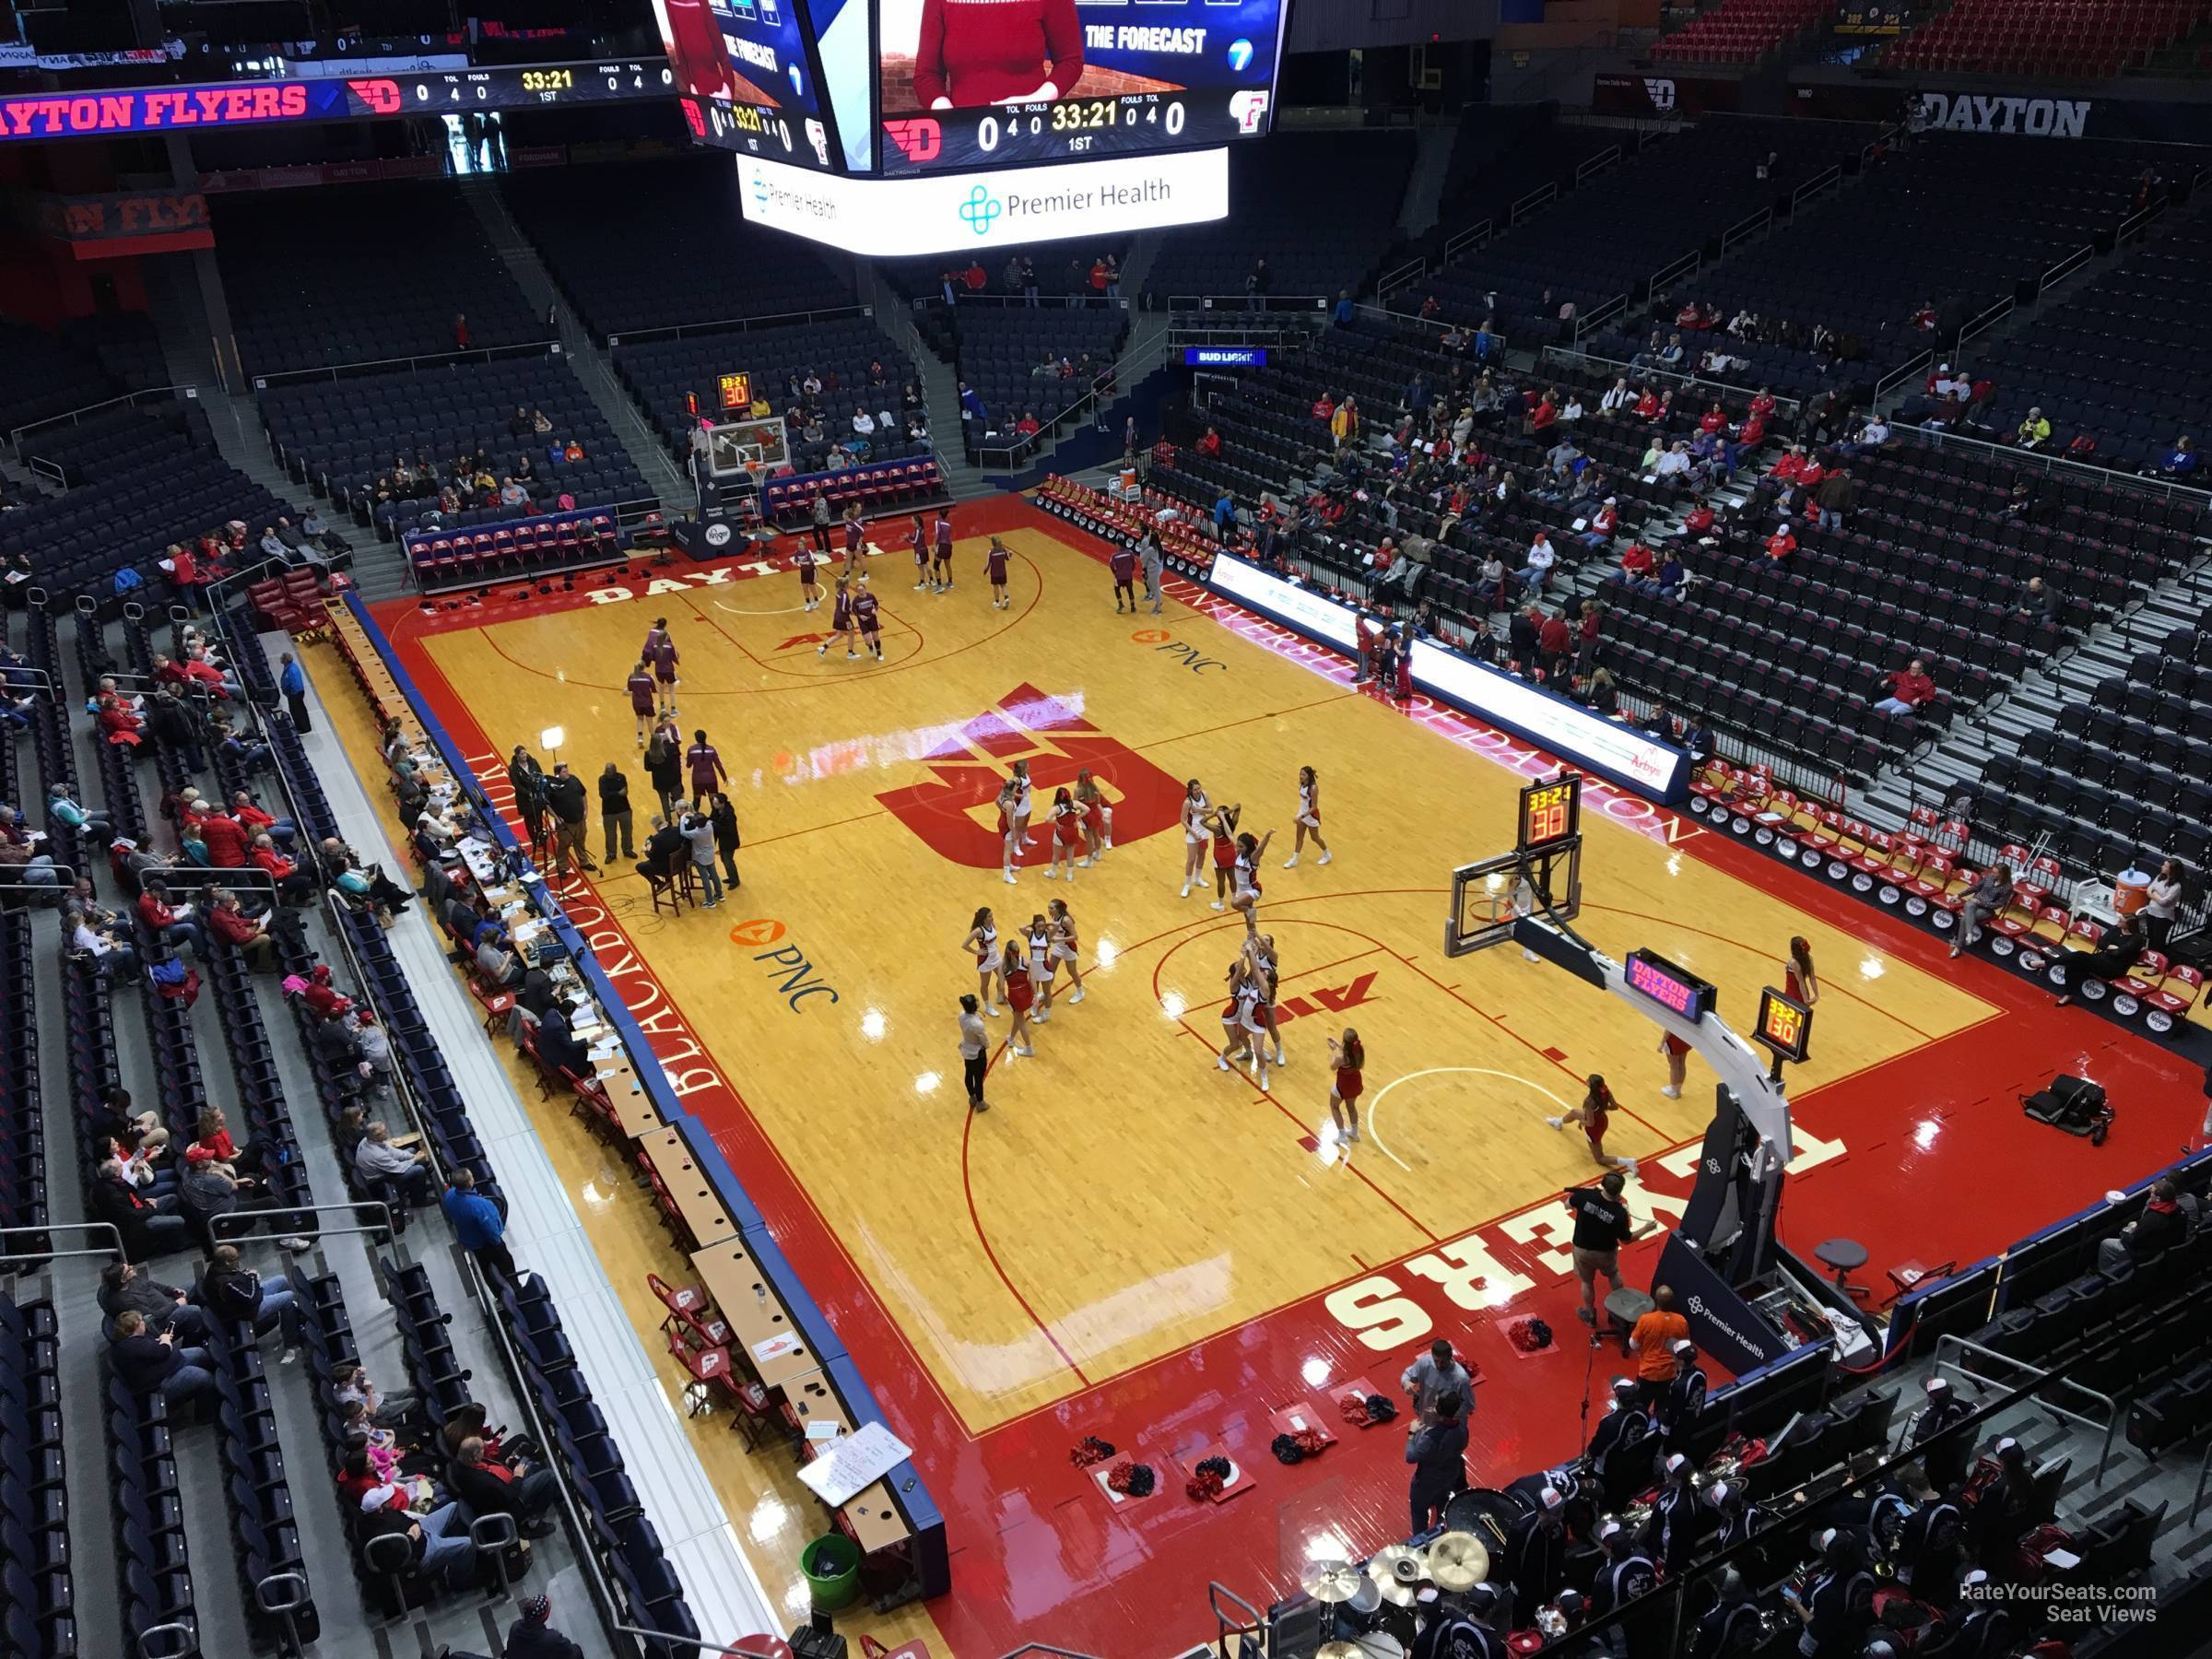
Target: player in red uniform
[1308, 823]
[1347, 1058]
[941, 567]
[1224, 829]
[807, 561]
[1125, 578]
[1015, 970]
[1097, 817]
[660, 651]
[919, 537]
[1594, 1114]
[995, 567]
[1067, 834]
[840, 621]
[867, 621]
[641, 704]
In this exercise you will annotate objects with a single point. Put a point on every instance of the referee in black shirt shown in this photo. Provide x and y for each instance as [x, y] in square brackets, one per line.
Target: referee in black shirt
[1600, 1228]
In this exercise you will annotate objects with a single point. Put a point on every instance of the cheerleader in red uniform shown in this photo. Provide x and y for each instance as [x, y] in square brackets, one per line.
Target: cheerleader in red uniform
[1596, 1114]
[1798, 981]
[1066, 945]
[1098, 819]
[1244, 877]
[1241, 1027]
[1307, 823]
[1678, 1063]
[1014, 974]
[1259, 950]
[840, 621]
[919, 537]
[807, 561]
[1067, 834]
[1009, 840]
[1224, 830]
[1020, 780]
[995, 567]
[1348, 1059]
[1196, 810]
[982, 943]
[1039, 938]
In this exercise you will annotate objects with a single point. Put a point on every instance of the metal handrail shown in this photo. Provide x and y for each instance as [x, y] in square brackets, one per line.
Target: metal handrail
[2165, 488]
[678, 331]
[248, 1220]
[1951, 1344]
[1791, 403]
[1818, 185]
[1475, 236]
[1985, 321]
[1904, 371]
[1267, 302]
[432, 360]
[1524, 205]
[2059, 270]
[1412, 271]
[1592, 321]
[1685, 267]
[1749, 225]
[73, 416]
[114, 1251]
[1223, 1624]
[1045, 302]
[1608, 157]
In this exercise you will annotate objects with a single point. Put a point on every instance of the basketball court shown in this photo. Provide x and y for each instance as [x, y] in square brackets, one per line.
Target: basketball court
[1132, 1244]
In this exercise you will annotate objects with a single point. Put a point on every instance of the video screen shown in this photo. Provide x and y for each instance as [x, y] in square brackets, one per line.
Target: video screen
[744, 79]
[985, 83]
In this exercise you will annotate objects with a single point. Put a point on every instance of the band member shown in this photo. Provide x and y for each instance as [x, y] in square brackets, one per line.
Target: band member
[1097, 817]
[857, 540]
[1021, 802]
[1013, 973]
[1066, 945]
[641, 694]
[919, 537]
[807, 561]
[941, 569]
[1039, 939]
[1009, 793]
[1196, 810]
[1594, 1114]
[1260, 949]
[1244, 892]
[1240, 1025]
[1348, 1059]
[1307, 823]
[841, 620]
[982, 943]
[867, 621]
[1067, 834]
[660, 651]
[1224, 828]
[1125, 578]
[995, 566]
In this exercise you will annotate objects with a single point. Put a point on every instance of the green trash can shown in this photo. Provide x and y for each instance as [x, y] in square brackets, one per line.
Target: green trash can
[831, 1564]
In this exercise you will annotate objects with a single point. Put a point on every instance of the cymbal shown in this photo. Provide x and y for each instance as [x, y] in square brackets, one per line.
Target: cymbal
[1458, 1561]
[1339, 1649]
[1331, 1581]
[1398, 1570]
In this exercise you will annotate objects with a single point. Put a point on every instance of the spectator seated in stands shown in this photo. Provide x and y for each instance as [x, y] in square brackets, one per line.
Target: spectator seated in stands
[1537, 567]
[108, 945]
[249, 935]
[437, 1543]
[161, 1309]
[2180, 462]
[380, 1163]
[147, 1363]
[2033, 431]
[489, 1487]
[1909, 689]
[532, 1636]
[209, 1190]
[175, 927]
[232, 1291]
[1639, 569]
[150, 1225]
[294, 884]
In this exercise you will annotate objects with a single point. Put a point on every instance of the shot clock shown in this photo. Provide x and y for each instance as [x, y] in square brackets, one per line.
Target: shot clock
[1551, 812]
[1785, 1025]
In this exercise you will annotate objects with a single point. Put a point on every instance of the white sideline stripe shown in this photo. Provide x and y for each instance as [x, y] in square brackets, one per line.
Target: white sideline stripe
[725, 1595]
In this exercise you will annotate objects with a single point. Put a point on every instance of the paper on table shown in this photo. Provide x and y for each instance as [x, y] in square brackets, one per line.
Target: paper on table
[851, 1465]
[824, 1432]
[776, 1347]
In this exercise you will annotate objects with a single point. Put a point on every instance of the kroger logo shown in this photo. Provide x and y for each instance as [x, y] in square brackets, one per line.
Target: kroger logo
[1239, 55]
[980, 210]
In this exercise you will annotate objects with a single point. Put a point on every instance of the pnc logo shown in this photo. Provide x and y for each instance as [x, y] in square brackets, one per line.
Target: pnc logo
[919, 140]
[759, 931]
[980, 210]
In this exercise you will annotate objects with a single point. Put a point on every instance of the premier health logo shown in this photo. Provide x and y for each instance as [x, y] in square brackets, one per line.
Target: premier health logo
[980, 210]
[760, 188]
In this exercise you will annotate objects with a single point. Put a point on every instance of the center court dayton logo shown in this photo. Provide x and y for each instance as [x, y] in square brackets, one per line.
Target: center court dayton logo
[953, 813]
[980, 211]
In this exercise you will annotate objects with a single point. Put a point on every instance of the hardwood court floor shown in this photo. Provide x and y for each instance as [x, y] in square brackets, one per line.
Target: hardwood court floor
[1132, 1243]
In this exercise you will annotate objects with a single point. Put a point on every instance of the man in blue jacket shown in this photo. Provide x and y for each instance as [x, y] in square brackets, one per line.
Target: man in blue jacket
[480, 1226]
[292, 679]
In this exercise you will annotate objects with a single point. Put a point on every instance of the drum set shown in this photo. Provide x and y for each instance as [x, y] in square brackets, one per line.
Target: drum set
[1376, 1611]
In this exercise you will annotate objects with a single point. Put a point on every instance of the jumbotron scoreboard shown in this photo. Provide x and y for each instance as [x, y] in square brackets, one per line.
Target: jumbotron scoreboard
[893, 127]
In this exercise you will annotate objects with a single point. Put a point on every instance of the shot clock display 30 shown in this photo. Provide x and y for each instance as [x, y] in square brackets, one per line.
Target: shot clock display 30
[1675, 989]
[1551, 812]
[1785, 1025]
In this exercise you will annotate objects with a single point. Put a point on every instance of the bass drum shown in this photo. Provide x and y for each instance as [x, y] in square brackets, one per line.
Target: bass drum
[1485, 1512]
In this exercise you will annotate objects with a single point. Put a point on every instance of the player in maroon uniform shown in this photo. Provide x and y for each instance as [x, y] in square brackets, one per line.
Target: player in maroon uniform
[1067, 834]
[807, 561]
[1125, 578]
[921, 542]
[841, 620]
[995, 566]
[856, 542]
[641, 688]
[941, 567]
[865, 619]
[660, 651]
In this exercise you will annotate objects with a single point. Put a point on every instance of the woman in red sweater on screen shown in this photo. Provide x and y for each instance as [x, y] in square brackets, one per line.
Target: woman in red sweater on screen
[986, 52]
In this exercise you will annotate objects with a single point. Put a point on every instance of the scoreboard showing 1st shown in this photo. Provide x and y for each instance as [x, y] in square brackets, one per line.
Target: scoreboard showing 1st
[1551, 812]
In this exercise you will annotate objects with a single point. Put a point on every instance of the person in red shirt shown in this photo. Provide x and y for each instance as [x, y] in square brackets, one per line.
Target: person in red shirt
[1601, 522]
[1699, 518]
[249, 935]
[1910, 688]
[1028, 426]
[256, 821]
[228, 840]
[986, 52]
[1209, 445]
[1791, 466]
[118, 722]
[1546, 412]
[1647, 407]
[1636, 566]
[1755, 428]
[1324, 409]
[293, 884]
[175, 927]
[1811, 472]
[1781, 544]
[324, 999]
[1554, 640]
[460, 331]
[1712, 420]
